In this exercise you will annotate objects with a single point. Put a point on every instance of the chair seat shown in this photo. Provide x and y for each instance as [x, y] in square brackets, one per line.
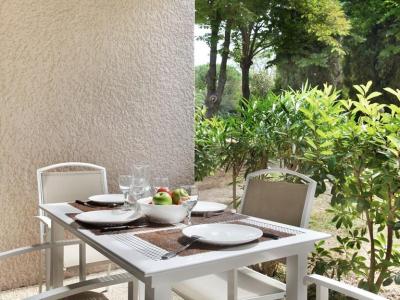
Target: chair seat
[214, 287]
[86, 296]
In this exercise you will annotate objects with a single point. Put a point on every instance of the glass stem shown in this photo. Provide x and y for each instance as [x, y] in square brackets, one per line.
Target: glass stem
[189, 218]
[126, 200]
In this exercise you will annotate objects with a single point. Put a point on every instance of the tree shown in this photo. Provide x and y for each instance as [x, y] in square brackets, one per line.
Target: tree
[232, 92]
[307, 43]
[301, 34]
[251, 38]
[374, 44]
[216, 14]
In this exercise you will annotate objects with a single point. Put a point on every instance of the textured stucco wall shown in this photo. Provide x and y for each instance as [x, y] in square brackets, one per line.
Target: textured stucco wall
[107, 82]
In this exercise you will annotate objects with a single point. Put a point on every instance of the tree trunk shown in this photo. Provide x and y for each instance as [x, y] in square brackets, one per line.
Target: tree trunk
[214, 97]
[246, 60]
[211, 77]
[224, 62]
[234, 187]
[245, 66]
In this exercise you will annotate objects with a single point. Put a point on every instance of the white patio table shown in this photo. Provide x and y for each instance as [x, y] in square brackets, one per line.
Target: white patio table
[142, 259]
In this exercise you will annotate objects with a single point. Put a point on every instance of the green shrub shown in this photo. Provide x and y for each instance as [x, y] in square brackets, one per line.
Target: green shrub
[208, 153]
[353, 145]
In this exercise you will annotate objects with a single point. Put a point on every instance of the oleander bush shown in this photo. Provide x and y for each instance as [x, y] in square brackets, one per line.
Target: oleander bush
[352, 145]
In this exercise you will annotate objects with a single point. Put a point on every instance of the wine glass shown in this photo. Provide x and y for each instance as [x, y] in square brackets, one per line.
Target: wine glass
[191, 202]
[124, 185]
[160, 182]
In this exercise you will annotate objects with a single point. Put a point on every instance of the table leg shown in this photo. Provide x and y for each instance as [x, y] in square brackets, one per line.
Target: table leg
[232, 285]
[158, 293]
[296, 270]
[82, 261]
[56, 257]
[47, 262]
[134, 290]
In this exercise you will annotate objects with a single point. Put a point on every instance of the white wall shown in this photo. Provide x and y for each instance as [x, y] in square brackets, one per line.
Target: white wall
[100, 81]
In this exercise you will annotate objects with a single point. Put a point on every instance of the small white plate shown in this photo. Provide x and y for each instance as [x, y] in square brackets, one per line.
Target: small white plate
[208, 206]
[114, 216]
[108, 198]
[223, 234]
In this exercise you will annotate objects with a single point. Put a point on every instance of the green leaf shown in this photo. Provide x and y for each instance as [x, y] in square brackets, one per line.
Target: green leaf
[311, 143]
[373, 95]
[310, 124]
[359, 89]
[387, 281]
[396, 226]
[395, 140]
[392, 91]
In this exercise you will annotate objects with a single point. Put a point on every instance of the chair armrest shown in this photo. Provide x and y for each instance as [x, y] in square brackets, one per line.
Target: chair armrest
[83, 286]
[36, 247]
[341, 287]
[45, 220]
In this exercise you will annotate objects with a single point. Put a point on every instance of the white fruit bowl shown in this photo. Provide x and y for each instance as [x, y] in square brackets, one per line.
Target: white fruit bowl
[162, 214]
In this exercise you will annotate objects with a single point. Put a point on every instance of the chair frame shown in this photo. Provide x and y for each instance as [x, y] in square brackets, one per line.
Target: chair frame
[74, 288]
[45, 222]
[324, 284]
[312, 185]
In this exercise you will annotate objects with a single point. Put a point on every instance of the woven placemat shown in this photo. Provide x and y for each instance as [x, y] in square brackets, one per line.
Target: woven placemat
[85, 208]
[170, 237]
[98, 229]
[171, 240]
[196, 219]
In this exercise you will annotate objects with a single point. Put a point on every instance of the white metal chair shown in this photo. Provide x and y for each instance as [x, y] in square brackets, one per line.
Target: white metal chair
[269, 200]
[63, 186]
[76, 291]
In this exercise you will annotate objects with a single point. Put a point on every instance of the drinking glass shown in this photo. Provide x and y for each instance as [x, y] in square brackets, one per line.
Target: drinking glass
[143, 171]
[125, 182]
[159, 182]
[136, 191]
[190, 203]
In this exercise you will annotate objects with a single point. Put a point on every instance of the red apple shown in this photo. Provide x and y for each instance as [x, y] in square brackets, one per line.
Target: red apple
[164, 189]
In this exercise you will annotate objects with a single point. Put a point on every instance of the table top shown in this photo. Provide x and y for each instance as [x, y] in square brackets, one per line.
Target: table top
[142, 258]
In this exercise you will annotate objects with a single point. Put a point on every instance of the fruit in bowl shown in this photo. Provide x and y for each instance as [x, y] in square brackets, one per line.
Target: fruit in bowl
[179, 196]
[164, 189]
[166, 209]
[162, 214]
[162, 198]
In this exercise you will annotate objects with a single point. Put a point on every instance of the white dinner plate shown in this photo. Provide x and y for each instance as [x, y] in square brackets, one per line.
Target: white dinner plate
[208, 206]
[108, 198]
[112, 217]
[223, 234]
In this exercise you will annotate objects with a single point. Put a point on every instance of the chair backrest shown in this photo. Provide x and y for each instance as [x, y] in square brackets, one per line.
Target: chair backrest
[55, 187]
[279, 201]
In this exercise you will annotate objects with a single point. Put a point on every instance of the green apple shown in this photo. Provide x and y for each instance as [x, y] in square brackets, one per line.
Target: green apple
[179, 194]
[162, 198]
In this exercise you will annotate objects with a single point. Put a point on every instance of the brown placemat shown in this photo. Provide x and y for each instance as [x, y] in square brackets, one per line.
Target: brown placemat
[86, 208]
[171, 240]
[196, 219]
[226, 216]
[97, 229]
